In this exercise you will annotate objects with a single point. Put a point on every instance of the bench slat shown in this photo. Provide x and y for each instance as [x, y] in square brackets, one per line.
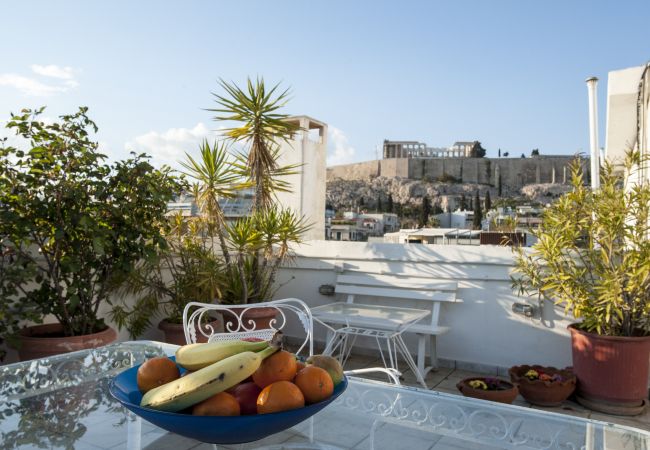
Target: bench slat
[432, 296]
[427, 329]
[392, 281]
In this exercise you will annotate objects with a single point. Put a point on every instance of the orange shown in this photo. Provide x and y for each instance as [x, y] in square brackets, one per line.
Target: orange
[280, 366]
[314, 383]
[156, 372]
[299, 366]
[279, 396]
[221, 404]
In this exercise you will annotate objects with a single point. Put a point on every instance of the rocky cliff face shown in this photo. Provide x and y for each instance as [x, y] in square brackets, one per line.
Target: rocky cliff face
[350, 194]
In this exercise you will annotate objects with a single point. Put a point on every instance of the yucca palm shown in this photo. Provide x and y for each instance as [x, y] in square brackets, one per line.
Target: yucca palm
[262, 130]
[216, 178]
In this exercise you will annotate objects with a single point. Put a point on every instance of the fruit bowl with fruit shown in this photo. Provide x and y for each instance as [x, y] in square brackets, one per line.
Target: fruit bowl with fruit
[229, 392]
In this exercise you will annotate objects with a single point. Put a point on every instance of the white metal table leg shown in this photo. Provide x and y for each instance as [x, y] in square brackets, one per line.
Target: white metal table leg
[409, 359]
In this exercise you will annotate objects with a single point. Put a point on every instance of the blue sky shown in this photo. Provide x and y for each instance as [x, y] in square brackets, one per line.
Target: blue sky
[508, 73]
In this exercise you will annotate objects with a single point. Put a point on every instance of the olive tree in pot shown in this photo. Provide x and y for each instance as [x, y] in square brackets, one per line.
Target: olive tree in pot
[71, 226]
[593, 257]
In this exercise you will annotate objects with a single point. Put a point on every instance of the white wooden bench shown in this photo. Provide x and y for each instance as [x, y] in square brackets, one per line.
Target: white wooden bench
[362, 290]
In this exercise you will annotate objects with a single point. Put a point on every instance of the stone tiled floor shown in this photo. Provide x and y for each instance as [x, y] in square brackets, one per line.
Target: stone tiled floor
[445, 379]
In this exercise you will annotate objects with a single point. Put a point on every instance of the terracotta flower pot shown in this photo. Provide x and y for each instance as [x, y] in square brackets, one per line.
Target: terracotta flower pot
[540, 392]
[41, 341]
[175, 334]
[253, 319]
[506, 395]
[612, 371]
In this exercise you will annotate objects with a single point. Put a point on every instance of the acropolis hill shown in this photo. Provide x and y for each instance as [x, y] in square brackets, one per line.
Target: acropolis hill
[513, 173]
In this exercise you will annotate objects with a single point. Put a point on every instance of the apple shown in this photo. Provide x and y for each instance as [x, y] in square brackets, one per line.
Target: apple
[246, 394]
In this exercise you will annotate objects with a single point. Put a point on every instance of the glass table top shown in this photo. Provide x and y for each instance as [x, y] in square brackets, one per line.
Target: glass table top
[372, 315]
[63, 403]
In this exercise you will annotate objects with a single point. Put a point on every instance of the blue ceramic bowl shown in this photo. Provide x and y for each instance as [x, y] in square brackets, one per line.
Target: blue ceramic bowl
[213, 429]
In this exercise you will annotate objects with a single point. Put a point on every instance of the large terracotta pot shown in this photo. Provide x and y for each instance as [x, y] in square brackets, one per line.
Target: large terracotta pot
[611, 370]
[41, 341]
[540, 392]
[175, 334]
[506, 395]
[259, 317]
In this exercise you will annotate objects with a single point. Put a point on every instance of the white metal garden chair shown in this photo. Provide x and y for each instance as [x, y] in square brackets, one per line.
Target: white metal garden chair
[196, 313]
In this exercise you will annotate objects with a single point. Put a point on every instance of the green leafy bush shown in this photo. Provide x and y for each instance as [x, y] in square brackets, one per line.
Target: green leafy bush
[71, 225]
[593, 253]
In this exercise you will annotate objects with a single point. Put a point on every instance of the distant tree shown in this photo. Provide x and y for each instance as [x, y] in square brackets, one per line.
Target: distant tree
[488, 201]
[535, 152]
[523, 156]
[478, 214]
[389, 207]
[463, 203]
[499, 153]
[362, 202]
[425, 212]
[499, 193]
[477, 150]
[379, 205]
[506, 154]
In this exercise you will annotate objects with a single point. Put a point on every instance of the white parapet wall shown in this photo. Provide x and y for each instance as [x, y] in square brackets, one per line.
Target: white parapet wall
[485, 333]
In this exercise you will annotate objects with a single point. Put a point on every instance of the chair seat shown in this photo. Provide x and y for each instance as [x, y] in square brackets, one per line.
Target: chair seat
[265, 334]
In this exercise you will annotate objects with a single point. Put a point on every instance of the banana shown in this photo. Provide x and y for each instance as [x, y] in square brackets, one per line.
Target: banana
[204, 383]
[198, 356]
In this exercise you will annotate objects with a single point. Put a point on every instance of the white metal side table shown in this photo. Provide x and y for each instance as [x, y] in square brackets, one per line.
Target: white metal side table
[382, 323]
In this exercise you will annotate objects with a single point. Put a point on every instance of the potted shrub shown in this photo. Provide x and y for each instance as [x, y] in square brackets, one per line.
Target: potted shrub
[210, 258]
[187, 269]
[252, 247]
[543, 386]
[488, 388]
[71, 225]
[593, 257]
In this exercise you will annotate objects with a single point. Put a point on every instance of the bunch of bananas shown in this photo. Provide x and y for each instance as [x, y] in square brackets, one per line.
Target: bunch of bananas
[216, 366]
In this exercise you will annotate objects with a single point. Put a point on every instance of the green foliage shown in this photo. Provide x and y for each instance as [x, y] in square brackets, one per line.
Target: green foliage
[478, 214]
[463, 203]
[477, 150]
[71, 225]
[188, 269]
[593, 253]
[425, 212]
[488, 201]
[262, 129]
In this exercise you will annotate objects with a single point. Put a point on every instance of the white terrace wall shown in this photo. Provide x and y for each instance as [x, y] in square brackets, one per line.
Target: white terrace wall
[485, 333]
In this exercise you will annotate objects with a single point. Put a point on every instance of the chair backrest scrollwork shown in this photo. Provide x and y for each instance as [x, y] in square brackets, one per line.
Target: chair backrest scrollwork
[197, 318]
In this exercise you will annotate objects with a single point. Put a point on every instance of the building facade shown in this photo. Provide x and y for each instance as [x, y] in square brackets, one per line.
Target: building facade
[308, 149]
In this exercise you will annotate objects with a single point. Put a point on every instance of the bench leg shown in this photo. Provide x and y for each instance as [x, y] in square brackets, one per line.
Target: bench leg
[421, 353]
[434, 353]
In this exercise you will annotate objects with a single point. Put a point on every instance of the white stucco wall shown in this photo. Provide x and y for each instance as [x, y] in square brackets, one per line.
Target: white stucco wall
[484, 330]
[307, 196]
